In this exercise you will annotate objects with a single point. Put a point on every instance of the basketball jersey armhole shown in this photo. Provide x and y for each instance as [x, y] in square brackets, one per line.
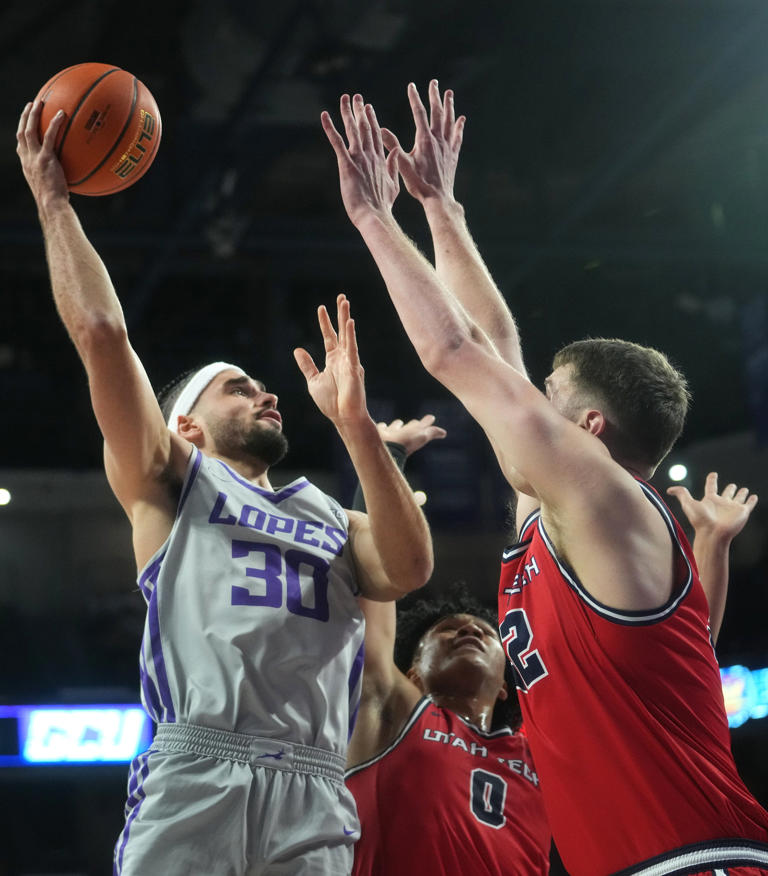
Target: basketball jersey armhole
[526, 529]
[526, 536]
[152, 566]
[626, 617]
[418, 710]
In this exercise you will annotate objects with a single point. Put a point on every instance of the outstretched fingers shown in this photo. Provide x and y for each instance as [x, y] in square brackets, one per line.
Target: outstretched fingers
[449, 115]
[306, 363]
[710, 484]
[342, 317]
[362, 122]
[353, 355]
[436, 114]
[22, 127]
[346, 329]
[334, 137]
[32, 126]
[350, 123]
[682, 494]
[52, 131]
[330, 338]
[394, 153]
[457, 136]
[376, 132]
[389, 140]
[419, 113]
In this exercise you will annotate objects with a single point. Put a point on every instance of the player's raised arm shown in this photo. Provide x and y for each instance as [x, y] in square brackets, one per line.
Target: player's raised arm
[429, 171]
[139, 447]
[516, 417]
[387, 696]
[391, 544]
[444, 335]
[717, 518]
[555, 448]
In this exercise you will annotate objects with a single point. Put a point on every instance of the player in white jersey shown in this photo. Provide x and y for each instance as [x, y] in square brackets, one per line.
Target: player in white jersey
[252, 652]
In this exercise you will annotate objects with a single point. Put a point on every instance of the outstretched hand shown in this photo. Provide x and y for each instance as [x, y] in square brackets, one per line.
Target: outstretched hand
[368, 178]
[723, 514]
[412, 435]
[429, 169]
[339, 389]
[41, 167]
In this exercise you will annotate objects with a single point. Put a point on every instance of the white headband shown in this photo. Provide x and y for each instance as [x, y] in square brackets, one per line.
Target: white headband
[194, 387]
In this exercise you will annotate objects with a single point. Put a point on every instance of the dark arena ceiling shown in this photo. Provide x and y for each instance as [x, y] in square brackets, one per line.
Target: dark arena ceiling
[615, 173]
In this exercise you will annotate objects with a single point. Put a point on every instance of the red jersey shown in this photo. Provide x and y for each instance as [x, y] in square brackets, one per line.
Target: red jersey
[448, 798]
[624, 712]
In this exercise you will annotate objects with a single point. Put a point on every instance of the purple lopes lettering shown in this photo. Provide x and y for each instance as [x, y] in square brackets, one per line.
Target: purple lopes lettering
[279, 524]
[304, 532]
[338, 537]
[247, 513]
[218, 508]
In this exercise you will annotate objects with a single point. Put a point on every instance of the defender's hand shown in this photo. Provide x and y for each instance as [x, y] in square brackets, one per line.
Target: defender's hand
[412, 435]
[721, 514]
[429, 169]
[368, 178]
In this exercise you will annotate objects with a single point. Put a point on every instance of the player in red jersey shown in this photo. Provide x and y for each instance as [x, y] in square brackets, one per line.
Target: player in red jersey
[442, 776]
[439, 789]
[602, 613]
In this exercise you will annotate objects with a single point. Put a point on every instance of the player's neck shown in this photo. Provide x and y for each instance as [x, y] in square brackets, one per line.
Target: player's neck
[474, 709]
[248, 467]
[636, 469]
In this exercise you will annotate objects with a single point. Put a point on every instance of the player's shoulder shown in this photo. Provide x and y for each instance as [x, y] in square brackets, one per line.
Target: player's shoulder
[336, 510]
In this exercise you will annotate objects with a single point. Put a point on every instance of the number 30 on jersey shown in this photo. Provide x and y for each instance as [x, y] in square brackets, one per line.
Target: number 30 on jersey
[277, 573]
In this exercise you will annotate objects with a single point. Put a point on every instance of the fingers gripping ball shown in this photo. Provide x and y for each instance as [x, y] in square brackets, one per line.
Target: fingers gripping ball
[112, 129]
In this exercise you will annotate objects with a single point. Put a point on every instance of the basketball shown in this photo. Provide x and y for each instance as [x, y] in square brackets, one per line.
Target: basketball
[112, 129]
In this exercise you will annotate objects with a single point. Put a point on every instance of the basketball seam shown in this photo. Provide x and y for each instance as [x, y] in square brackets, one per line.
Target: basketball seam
[56, 78]
[80, 103]
[118, 139]
[139, 172]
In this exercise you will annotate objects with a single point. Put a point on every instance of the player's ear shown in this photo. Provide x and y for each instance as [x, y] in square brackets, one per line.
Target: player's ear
[191, 429]
[503, 692]
[593, 421]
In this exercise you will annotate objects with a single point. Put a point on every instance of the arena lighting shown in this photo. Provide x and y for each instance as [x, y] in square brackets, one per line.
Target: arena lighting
[677, 472]
[83, 734]
[745, 692]
[5, 496]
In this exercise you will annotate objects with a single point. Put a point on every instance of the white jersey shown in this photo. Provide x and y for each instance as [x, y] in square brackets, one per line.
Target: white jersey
[252, 622]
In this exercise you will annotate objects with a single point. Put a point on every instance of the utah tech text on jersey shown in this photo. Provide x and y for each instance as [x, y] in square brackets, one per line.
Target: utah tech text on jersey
[453, 741]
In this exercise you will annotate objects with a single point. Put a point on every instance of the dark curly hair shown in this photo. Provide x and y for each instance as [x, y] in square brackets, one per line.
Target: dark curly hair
[416, 616]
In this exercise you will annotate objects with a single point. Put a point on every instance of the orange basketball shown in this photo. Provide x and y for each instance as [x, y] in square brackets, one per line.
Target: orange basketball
[112, 129]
